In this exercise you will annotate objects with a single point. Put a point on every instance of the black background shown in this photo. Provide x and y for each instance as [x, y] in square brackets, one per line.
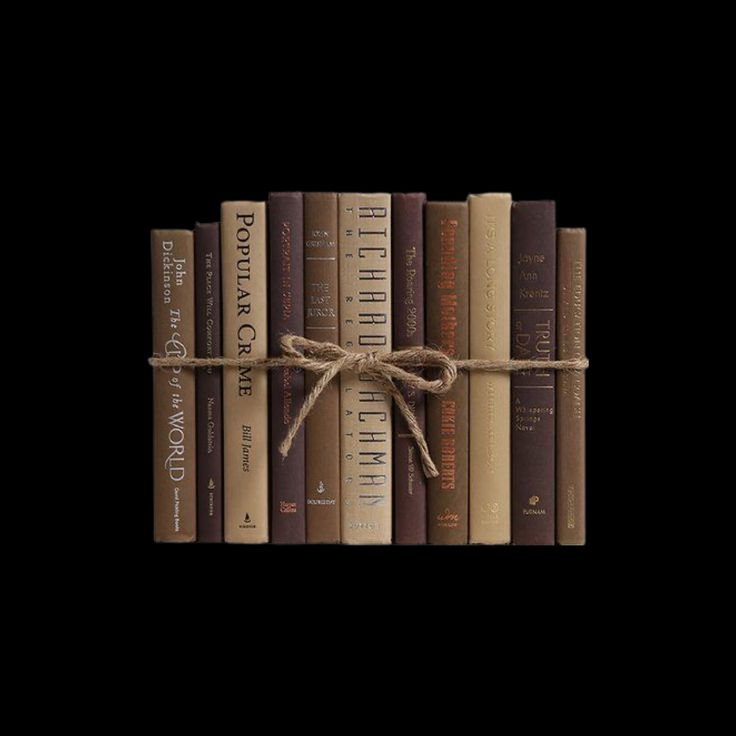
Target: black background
[153, 126]
[183, 168]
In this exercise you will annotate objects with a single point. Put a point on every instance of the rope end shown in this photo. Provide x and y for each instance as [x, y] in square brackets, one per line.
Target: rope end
[430, 469]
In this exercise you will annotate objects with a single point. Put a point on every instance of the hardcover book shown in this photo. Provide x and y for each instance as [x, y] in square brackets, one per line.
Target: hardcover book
[490, 393]
[322, 434]
[447, 329]
[209, 382]
[245, 390]
[533, 306]
[365, 406]
[174, 401]
[571, 387]
[286, 252]
[410, 486]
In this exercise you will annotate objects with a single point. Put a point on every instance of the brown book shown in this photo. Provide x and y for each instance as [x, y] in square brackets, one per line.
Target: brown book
[490, 393]
[365, 406]
[322, 435]
[570, 387]
[407, 246]
[174, 402]
[286, 316]
[447, 329]
[245, 390]
[209, 382]
[533, 306]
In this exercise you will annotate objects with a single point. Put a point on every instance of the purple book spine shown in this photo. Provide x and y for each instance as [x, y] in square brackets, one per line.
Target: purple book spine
[407, 249]
[533, 310]
[286, 315]
[209, 382]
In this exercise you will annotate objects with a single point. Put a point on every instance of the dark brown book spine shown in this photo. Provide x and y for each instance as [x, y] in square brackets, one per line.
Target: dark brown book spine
[209, 382]
[410, 486]
[533, 309]
[447, 306]
[321, 303]
[286, 315]
[571, 387]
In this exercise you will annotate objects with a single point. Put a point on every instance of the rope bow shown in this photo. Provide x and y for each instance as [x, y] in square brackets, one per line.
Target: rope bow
[328, 360]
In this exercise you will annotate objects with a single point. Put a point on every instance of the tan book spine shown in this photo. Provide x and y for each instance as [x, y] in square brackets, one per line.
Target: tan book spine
[322, 436]
[365, 407]
[571, 387]
[245, 390]
[490, 393]
[174, 400]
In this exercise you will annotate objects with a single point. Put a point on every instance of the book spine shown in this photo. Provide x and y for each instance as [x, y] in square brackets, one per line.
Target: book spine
[322, 434]
[174, 401]
[490, 393]
[447, 330]
[209, 382]
[365, 407]
[286, 316]
[407, 246]
[571, 387]
[533, 303]
[245, 390]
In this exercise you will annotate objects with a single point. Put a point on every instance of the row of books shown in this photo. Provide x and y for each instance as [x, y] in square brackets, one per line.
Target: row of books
[487, 278]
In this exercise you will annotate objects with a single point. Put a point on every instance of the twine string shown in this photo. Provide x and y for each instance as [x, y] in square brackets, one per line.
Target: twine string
[328, 360]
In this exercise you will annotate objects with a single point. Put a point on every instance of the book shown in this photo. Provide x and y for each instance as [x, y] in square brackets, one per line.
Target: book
[365, 406]
[407, 247]
[245, 390]
[571, 248]
[533, 305]
[209, 381]
[447, 309]
[322, 433]
[174, 401]
[286, 316]
[490, 393]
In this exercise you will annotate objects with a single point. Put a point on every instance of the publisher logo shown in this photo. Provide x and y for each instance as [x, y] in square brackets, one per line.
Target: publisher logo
[490, 513]
[533, 510]
[246, 523]
[287, 507]
[448, 519]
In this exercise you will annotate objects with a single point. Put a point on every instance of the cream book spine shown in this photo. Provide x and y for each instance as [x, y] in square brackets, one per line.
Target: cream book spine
[245, 390]
[490, 393]
[365, 407]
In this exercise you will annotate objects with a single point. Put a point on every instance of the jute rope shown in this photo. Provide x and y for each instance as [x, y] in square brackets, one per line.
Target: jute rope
[328, 360]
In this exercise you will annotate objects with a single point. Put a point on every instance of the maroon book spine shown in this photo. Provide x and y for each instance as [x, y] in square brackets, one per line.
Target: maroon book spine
[448, 329]
[286, 315]
[407, 249]
[209, 382]
[533, 318]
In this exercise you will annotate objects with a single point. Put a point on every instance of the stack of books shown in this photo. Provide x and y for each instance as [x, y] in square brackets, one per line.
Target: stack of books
[487, 278]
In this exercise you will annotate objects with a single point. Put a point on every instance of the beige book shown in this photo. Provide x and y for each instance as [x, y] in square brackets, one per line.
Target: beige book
[174, 439]
[490, 393]
[365, 407]
[245, 390]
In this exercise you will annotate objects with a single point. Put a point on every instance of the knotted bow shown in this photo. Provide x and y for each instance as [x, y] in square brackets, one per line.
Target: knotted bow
[328, 360]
